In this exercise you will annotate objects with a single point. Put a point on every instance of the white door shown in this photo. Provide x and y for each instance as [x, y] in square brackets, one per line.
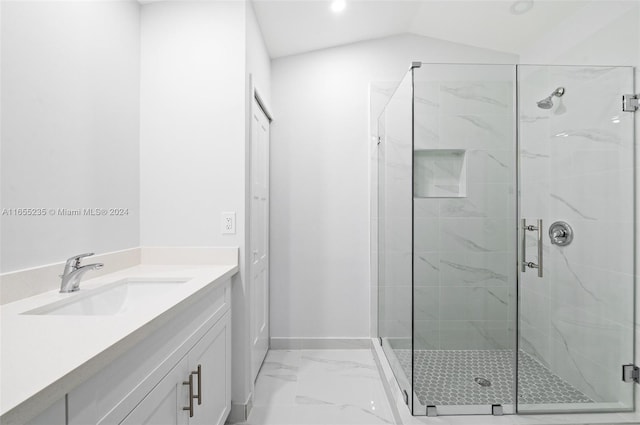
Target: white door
[259, 253]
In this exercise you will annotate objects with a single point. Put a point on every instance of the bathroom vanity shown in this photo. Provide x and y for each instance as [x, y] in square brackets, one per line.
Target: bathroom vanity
[149, 343]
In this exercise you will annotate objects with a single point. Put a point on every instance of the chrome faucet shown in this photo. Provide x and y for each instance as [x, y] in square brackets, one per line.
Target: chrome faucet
[73, 272]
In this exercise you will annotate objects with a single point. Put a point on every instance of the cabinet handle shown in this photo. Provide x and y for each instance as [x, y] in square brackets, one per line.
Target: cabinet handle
[199, 373]
[191, 396]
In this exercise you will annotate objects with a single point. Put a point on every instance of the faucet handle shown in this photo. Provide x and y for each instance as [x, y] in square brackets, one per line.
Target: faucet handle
[79, 256]
[74, 262]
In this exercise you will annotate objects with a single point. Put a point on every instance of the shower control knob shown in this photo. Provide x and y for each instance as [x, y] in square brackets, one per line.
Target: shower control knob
[560, 233]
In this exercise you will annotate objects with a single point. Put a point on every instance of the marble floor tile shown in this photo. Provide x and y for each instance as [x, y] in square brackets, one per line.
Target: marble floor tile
[343, 387]
[337, 362]
[281, 362]
[275, 390]
[359, 391]
[313, 415]
[331, 387]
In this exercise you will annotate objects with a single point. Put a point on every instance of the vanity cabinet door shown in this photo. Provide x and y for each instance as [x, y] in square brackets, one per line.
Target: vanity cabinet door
[213, 354]
[164, 404]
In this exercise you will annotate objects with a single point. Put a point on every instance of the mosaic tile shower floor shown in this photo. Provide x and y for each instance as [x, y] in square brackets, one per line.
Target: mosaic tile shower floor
[447, 377]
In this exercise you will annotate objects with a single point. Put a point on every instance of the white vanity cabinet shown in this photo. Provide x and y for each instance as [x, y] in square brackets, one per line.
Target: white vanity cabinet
[174, 400]
[147, 383]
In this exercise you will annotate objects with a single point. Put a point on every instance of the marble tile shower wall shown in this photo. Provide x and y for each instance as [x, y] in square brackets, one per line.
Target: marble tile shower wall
[464, 254]
[577, 166]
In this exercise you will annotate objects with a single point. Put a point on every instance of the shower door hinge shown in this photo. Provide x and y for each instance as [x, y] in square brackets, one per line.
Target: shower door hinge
[630, 102]
[380, 340]
[379, 139]
[406, 397]
[631, 373]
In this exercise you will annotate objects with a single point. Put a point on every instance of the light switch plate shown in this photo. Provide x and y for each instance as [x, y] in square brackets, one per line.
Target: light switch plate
[228, 223]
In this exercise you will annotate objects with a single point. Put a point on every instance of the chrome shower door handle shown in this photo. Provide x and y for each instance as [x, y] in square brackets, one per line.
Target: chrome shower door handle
[540, 248]
[529, 264]
[523, 245]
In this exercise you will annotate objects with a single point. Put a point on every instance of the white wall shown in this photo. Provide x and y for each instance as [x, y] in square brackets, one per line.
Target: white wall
[600, 33]
[320, 179]
[196, 58]
[70, 79]
[192, 122]
[258, 60]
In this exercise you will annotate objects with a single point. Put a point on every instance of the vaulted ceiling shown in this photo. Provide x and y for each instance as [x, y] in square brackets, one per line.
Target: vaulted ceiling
[296, 26]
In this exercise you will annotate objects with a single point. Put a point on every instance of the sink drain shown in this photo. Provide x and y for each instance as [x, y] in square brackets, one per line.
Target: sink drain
[483, 382]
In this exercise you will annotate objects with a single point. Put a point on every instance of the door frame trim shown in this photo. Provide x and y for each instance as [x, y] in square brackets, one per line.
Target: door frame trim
[254, 94]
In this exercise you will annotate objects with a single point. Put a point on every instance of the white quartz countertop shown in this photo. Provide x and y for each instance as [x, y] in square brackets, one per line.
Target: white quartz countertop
[42, 357]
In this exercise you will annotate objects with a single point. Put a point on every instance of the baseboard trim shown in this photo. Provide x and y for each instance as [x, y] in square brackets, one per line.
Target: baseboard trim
[320, 343]
[240, 411]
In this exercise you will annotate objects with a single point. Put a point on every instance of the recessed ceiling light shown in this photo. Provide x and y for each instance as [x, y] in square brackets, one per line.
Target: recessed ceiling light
[338, 6]
[521, 7]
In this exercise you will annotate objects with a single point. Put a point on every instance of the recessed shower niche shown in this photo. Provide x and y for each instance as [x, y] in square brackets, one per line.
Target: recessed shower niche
[439, 173]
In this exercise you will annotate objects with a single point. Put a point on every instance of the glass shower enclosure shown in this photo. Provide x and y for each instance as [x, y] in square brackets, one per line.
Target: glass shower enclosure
[506, 238]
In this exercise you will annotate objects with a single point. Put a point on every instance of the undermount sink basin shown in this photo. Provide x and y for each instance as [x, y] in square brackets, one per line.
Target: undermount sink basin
[110, 300]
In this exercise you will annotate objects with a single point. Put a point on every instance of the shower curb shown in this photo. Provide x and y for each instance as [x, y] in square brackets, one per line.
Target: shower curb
[391, 388]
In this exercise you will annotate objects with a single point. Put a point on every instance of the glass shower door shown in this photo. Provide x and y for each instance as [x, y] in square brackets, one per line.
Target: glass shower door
[394, 233]
[576, 285]
[464, 232]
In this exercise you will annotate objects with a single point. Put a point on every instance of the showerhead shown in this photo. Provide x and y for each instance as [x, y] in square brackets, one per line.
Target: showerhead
[547, 103]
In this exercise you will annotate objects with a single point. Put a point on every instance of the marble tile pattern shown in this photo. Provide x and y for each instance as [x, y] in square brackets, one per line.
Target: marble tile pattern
[464, 243]
[319, 387]
[577, 166]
